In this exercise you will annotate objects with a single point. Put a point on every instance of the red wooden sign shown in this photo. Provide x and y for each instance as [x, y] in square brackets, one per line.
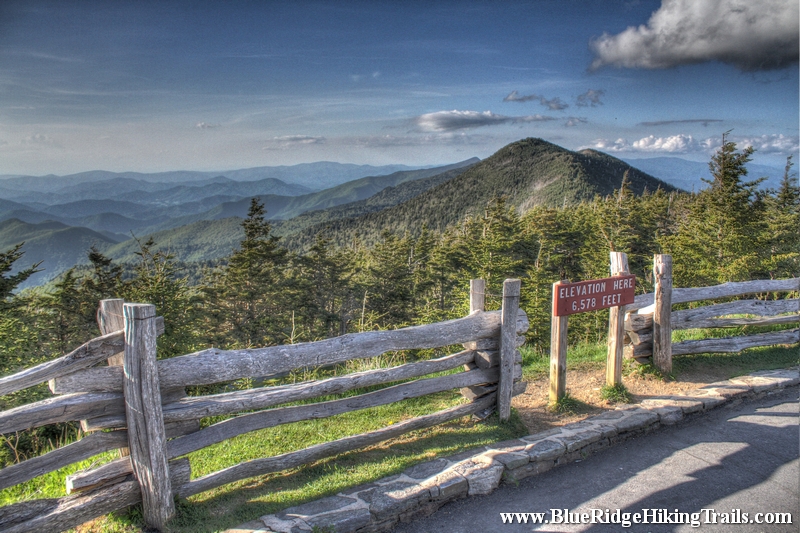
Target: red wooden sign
[583, 296]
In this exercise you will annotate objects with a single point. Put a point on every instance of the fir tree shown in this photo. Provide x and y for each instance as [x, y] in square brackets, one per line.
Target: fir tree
[722, 237]
[246, 297]
[10, 282]
[783, 209]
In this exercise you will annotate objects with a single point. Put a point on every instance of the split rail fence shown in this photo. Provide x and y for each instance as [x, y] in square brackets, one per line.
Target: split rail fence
[138, 405]
[650, 320]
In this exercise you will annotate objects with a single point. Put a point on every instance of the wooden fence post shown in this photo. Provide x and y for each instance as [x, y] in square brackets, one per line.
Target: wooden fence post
[508, 346]
[558, 352]
[146, 436]
[477, 295]
[109, 320]
[662, 323]
[616, 326]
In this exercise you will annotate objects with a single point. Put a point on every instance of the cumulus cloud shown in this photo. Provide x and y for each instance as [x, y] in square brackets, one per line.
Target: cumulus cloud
[590, 98]
[703, 121]
[678, 144]
[672, 144]
[770, 144]
[460, 120]
[553, 104]
[751, 35]
[205, 126]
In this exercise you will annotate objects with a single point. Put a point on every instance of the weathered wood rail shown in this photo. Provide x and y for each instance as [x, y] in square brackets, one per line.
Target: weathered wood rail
[653, 312]
[143, 408]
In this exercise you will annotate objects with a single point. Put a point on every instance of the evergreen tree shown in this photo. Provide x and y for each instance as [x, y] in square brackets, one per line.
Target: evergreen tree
[71, 321]
[246, 298]
[387, 282]
[10, 282]
[722, 239]
[322, 288]
[104, 280]
[19, 329]
[156, 281]
[783, 209]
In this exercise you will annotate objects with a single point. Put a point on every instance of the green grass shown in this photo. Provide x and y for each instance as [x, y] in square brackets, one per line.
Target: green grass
[242, 501]
[570, 406]
[536, 364]
[51, 485]
[615, 393]
[730, 365]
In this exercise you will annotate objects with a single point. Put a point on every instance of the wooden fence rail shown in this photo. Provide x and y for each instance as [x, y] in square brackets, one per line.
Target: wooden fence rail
[143, 402]
[639, 320]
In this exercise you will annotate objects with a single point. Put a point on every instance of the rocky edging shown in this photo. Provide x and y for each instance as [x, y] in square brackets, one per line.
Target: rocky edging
[422, 489]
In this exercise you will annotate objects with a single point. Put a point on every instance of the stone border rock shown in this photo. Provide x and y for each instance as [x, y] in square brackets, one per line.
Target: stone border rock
[423, 488]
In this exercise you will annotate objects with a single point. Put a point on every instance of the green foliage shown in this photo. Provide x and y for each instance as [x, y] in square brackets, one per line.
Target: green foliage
[615, 393]
[246, 299]
[569, 405]
[156, 282]
[722, 239]
[10, 282]
[783, 226]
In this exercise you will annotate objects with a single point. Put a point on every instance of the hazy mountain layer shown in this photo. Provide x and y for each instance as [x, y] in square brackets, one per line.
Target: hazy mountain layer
[56, 245]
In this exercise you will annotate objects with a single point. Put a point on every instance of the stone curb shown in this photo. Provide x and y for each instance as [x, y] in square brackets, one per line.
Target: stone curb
[423, 488]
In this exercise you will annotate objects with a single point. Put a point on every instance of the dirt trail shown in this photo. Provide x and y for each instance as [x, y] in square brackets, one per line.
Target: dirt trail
[584, 385]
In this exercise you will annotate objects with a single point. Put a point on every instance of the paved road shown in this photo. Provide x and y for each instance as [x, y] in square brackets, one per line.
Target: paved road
[743, 457]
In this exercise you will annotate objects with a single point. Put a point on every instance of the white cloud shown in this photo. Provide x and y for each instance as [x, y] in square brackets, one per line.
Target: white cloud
[752, 35]
[607, 145]
[673, 144]
[459, 120]
[205, 126]
[287, 141]
[771, 144]
[679, 144]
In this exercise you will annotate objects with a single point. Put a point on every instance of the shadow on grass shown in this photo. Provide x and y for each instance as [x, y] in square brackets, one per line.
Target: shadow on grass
[246, 500]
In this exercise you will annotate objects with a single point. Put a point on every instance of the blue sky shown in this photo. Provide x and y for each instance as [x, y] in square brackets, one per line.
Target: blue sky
[155, 86]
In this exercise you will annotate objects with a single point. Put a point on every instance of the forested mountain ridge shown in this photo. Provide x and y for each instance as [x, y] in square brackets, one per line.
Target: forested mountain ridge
[526, 173]
[388, 197]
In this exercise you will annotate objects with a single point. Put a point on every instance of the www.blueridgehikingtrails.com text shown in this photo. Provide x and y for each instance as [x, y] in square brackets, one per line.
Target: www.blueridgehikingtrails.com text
[645, 516]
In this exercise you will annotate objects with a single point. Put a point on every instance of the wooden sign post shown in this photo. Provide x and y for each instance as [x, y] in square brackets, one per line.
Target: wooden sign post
[580, 297]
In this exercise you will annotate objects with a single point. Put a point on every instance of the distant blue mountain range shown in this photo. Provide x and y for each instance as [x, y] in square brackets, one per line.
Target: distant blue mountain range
[688, 175]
